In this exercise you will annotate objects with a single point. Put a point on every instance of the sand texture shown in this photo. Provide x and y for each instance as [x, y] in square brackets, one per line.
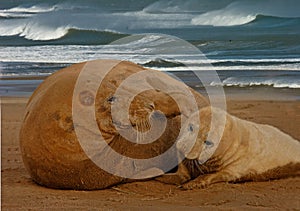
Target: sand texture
[20, 192]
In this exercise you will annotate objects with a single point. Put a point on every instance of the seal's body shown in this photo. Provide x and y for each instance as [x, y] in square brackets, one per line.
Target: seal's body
[50, 146]
[246, 152]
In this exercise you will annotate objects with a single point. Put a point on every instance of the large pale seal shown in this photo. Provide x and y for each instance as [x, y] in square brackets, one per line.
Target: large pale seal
[50, 148]
[247, 151]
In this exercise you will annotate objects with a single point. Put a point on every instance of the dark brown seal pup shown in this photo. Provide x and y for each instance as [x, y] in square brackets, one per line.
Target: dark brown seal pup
[246, 152]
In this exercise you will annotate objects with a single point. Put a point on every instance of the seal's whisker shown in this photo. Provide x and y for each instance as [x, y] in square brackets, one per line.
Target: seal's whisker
[142, 127]
[192, 167]
[199, 166]
[143, 130]
[138, 128]
[147, 125]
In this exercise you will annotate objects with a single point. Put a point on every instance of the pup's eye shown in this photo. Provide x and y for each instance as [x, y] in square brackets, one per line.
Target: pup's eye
[191, 127]
[209, 143]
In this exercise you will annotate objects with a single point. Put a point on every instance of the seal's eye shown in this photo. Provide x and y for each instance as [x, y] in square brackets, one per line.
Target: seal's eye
[209, 143]
[191, 127]
[111, 99]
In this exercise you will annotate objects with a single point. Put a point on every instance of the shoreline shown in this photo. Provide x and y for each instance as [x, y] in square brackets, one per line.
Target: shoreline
[19, 191]
[24, 86]
[231, 93]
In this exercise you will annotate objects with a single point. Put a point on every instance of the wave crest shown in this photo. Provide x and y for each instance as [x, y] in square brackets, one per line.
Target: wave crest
[35, 32]
[222, 19]
[243, 12]
[32, 9]
[25, 12]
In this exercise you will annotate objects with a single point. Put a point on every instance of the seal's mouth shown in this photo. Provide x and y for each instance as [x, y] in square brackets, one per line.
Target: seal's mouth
[188, 147]
[197, 167]
[138, 126]
[121, 126]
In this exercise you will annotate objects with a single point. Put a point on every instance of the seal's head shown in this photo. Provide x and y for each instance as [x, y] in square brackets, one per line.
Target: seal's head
[187, 143]
[194, 145]
[192, 141]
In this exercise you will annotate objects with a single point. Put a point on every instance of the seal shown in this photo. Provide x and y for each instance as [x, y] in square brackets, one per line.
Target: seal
[247, 151]
[50, 148]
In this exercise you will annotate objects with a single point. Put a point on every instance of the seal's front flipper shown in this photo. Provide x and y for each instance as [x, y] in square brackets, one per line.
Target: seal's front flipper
[206, 180]
[181, 176]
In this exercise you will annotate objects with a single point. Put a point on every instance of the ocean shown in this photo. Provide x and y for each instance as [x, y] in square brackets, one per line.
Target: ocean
[251, 44]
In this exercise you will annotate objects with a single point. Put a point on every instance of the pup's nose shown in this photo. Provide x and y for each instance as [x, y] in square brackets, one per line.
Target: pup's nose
[185, 147]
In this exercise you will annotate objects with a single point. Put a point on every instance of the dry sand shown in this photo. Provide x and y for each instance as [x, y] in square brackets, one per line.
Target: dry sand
[19, 192]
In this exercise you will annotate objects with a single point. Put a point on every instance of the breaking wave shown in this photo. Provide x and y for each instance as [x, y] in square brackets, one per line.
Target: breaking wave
[23, 12]
[36, 32]
[243, 12]
[53, 21]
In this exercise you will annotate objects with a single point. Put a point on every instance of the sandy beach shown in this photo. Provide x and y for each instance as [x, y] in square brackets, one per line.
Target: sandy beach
[19, 192]
[251, 49]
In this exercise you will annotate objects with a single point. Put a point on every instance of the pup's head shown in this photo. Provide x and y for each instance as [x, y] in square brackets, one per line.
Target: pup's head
[192, 141]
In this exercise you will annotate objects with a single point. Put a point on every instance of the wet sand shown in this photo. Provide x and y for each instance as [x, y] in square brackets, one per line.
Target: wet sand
[19, 192]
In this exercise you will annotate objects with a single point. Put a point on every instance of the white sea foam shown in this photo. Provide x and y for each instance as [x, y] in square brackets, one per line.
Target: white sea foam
[14, 15]
[44, 28]
[42, 22]
[78, 53]
[281, 60]
[278, 82]
[223, 18]
[32, 30]
[32, 9]
[242, 12]
[235, 68]
[8, 75]
[25, 12]
[11, 29]
[37, 32]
